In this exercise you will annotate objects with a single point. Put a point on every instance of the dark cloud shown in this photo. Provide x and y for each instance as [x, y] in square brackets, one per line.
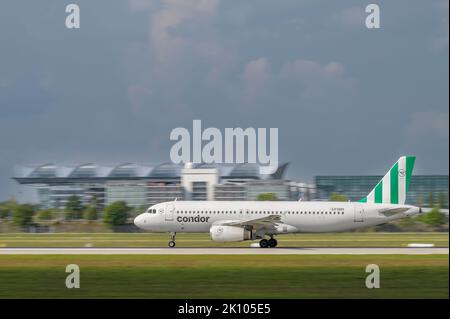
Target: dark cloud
[346, 100]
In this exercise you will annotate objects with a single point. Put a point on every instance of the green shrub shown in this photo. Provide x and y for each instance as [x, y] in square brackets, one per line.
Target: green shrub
[116, 214]
[74, 208]
[336, 197]
[267, 197]
[22, 215]
[434, 218]
[90, 213]
[46, 214]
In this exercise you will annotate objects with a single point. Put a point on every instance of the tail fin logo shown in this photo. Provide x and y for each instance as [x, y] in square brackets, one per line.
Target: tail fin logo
[392, 188]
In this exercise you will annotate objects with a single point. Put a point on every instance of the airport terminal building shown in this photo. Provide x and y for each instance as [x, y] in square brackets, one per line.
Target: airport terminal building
[144, 185]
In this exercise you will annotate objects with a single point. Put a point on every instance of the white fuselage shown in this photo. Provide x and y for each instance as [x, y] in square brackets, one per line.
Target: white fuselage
[199, 216]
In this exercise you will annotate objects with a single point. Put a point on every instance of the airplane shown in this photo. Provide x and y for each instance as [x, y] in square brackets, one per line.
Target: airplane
[234, 221]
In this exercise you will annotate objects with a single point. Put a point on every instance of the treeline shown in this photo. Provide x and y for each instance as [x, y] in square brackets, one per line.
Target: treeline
[115, 214]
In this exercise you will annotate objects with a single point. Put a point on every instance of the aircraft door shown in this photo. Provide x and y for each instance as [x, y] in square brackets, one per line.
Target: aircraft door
[169, 211]
[359, 214]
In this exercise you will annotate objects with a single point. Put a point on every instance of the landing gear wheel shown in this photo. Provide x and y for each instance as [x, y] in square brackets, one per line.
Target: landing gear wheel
[272, 242]
[172, 239]
[263, 243]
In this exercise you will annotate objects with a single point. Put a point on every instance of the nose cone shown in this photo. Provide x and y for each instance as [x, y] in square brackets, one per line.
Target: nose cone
[139, 220]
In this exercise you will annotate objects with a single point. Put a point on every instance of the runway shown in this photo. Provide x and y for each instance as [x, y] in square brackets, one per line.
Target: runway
[223, 251]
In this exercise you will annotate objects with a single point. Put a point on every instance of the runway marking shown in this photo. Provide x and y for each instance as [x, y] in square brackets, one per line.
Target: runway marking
[52, 240]
[223, 251]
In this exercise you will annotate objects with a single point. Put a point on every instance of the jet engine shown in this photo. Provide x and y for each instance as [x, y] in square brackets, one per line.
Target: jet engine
[230, 233]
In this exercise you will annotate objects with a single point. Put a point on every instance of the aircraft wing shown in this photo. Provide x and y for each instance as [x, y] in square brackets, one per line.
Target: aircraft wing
[257, 223]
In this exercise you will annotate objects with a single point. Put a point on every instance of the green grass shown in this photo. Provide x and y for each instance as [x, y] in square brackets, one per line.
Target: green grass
[203, 240]
[224, 276]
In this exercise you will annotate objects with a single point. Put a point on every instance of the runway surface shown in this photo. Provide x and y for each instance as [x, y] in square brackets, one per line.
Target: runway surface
[223, 251]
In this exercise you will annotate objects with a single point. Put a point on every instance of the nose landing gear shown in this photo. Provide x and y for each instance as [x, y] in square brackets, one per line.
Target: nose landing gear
[172, 240]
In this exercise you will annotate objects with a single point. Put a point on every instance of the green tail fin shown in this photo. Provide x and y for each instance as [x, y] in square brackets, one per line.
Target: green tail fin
[393, 187]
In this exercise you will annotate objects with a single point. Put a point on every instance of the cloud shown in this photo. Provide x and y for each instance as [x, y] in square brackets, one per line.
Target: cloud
[351, 17]
[303, 84]
[173, 14]
[113, 92]
[141, 5]
[183, 48]
[24, 99]
[307, 71]
[317, 86]
[186, 48]
[426, 124]
[256, 77]
[441, 42]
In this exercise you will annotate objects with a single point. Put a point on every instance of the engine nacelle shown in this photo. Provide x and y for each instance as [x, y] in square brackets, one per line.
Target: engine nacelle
[229, 233]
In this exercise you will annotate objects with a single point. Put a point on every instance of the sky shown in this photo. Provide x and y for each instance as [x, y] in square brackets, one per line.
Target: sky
[345, 99]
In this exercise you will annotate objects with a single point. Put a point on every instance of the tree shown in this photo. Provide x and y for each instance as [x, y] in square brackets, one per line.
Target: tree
[4, 211]
[336, 197]
[22, 215]
[267, 197]
[6, 208]
[116, 213]
[442, 200]
[46, 214]
[430, 200]
[74, 208]
[90, 213]
[434, 218]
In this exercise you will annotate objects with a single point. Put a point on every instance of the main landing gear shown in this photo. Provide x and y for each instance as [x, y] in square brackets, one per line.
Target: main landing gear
[268, 243]
[172, 240]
